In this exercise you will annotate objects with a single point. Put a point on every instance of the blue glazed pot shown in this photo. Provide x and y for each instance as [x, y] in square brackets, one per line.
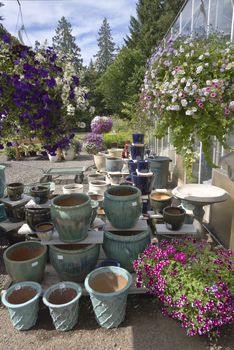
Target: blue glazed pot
[109, 262]
[138, 138]
[132, 166]
[2, 180]
[137, 152]
[109, 306]
[144, 183]
[22, 302]
[63, 302]
[143, 166]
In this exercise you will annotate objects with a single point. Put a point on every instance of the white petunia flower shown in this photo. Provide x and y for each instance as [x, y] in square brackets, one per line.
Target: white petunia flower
[199, 69]
[200, 57]
[184, 102]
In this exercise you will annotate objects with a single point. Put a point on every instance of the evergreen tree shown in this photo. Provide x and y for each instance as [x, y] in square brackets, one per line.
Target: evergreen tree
[106, 54]
[65, 43]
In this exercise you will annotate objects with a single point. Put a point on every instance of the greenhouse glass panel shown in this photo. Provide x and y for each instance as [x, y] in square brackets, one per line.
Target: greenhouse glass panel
[186, 17]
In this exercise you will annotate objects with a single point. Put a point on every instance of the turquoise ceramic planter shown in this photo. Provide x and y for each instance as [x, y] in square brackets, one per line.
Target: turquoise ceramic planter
[160, 166]
[125, 246]
[73, 262]
[122, 205]
[114, 164]
[26, 261]
[63, 302]
[2, 180]
[22, 302]
[109, 307]
[72, 214]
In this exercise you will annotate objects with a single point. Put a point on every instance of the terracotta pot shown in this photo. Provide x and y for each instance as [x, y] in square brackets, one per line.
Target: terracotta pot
[15, 191]
[174, 217]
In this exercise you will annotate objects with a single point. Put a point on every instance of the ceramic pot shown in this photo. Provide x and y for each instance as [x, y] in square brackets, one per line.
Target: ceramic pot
[22, 302]
[138, 138]
[36, 216]
[123, 202]
[44, 231]
[52, 158]
[100, 161]
[143, 166]
[132, 166]
[159, 201]
[15, 191]
[69, 154]
[2, 180]
[144, 183]
[114, 164]
[160, 167]
[73, 188]
[26, 261]
[108, 289]
[174, 217]
[94, 177]
[71, 214]
[3, 215]
[97, 197]
[125, 246]
[137, 151]
[40, 194]
[115, 152]
[98, 186]
[73, 262]
[114, 179]
[62, 300]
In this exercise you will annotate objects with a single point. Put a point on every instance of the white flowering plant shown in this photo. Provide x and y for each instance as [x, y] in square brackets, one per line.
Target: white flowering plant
[189, 88]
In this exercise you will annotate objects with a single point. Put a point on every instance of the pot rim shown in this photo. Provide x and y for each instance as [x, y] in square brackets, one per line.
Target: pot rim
[72, 186]
[54, 287]
[70, 195]
[13, 185]
[5, 257]
[138, 236]
[123, 198]
[44, 223]
[98, 183]
[161, 200]
[34, 285]
[182, 211]
[55, 248]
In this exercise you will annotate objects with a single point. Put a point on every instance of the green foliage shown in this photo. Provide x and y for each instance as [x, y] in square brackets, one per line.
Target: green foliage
[118, 138]
[65, 43]
[10, 152]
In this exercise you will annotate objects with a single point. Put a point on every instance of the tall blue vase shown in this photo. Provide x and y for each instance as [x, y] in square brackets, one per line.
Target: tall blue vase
[2, 180]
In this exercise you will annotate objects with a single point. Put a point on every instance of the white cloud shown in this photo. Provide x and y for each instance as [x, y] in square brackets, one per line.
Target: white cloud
[41, 17]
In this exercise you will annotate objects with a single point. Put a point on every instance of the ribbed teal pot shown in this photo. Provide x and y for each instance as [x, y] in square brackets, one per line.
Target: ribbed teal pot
[122, 205]
[26, 261]
[63, 302]
[2, 180]
[123, 247]
[73, 262]
[71, 214]
[160, 166]
[23, 307]
[109, 308]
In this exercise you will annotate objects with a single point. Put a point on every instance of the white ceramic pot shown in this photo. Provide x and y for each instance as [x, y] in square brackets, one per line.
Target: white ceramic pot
[52, 159]
[69, 154]
[100, 161]
[73, 188]
[114, 178]
[94, 177]
[98, 186]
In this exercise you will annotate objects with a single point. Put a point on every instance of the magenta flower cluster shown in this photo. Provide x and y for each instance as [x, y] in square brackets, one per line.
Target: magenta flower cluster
[100, 125]
[194, 283]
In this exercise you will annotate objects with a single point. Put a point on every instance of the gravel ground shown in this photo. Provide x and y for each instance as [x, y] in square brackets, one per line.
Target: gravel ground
[144, 326]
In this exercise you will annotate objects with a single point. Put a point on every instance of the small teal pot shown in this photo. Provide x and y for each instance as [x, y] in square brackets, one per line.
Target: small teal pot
[72, 214]
[125, 246]
[2, 180]
[122, 205]
[109, 306]
[62, 300]
[22, 302]
[160, 167]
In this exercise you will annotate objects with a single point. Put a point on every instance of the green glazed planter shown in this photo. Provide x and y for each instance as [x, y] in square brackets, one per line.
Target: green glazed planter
[122, 205]
[15, 191]
[109, 307]
[73, 262]
[72, 214]
[26, 261]
[125, 246]
[63, 302]
[159, 165]
[2, 180]
[22, 302]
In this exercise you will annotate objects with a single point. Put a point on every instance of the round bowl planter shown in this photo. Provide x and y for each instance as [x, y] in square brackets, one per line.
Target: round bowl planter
[174, 217]
[143, 182]
[73, 188]
[73, 262]
[15, 191]
[115, 152]
[122, 205]
[100, 161]
[108, 289]
[44, 231]
[95, 177]
[114, 164]
[160, 200]
[40, 194]
[138, 138]
[63, 302]
[71, 214]
[98, 186]
[22, 302]
[36, 216]
[137, 151]
[26, 261]
[125, 246]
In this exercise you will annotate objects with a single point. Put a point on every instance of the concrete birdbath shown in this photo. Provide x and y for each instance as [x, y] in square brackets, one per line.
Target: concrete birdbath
[199, 195]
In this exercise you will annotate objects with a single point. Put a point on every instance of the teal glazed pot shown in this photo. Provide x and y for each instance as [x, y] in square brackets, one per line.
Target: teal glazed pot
[72, 214]
[108, 290]
[22, 302]
[114, 164]
[62, 300]
[2, 180]
[125, 246]
[26, 261]
[160, 167]
[73, 262]
[122, 205]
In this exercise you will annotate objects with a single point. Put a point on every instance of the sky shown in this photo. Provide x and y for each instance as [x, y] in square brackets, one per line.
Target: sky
[40, 19]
